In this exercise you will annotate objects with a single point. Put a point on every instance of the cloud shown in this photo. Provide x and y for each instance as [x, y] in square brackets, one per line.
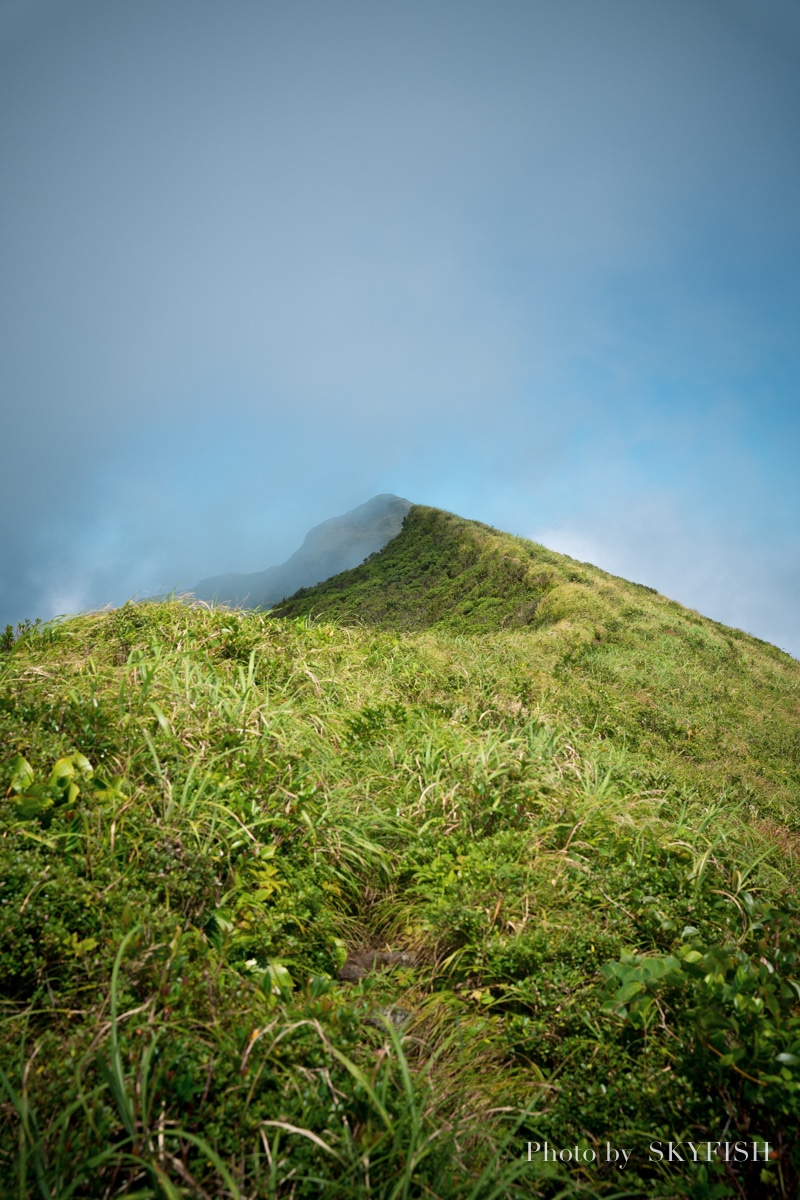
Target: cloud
[733, 581]
[262, 262]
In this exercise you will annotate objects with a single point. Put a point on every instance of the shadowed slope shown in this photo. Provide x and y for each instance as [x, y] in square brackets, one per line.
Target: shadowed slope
[440, 569]
[462, 575]
[329, 548]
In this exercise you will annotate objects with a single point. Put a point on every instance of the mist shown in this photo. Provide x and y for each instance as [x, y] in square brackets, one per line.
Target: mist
[534, 264]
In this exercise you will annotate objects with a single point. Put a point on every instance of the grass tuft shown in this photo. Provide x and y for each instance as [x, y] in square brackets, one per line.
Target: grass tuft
[552, 812]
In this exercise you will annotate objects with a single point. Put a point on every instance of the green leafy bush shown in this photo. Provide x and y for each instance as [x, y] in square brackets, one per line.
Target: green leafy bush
[564, 845]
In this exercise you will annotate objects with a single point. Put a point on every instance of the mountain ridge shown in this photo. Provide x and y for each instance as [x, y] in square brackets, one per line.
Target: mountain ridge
[333, 546]
[460, 573]
[644, 669]
[471, 799]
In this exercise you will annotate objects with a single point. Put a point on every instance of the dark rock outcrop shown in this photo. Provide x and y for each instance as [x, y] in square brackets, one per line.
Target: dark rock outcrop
[358, 965]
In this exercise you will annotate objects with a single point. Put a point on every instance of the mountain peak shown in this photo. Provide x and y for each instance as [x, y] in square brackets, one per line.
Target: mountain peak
[448, 572]
[336, 545]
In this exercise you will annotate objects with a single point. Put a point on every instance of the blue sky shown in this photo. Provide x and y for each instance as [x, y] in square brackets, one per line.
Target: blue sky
[536, 263]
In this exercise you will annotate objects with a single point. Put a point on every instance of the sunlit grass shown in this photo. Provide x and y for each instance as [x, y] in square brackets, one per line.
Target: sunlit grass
[599, 775]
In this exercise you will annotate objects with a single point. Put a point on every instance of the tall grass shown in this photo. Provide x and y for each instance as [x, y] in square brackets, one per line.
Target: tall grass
[537, 819]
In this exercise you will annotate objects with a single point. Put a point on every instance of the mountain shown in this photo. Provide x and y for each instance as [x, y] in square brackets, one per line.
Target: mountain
[642, 670]
[334, 546]
[444, 571]
[469, 850]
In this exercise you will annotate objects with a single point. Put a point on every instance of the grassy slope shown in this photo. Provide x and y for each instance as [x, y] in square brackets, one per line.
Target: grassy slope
[639, 669]
[574, 800]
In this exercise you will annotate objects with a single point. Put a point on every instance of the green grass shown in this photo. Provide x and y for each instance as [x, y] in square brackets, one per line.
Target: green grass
[573, 801]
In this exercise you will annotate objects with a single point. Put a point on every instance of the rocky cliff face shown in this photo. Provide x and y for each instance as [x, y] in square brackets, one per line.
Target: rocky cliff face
[334, 546]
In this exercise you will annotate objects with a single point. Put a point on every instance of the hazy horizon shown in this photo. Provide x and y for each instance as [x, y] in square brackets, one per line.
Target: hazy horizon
[533, 264]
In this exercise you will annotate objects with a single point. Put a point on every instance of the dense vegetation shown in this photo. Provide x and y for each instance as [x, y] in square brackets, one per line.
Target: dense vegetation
[563, 809]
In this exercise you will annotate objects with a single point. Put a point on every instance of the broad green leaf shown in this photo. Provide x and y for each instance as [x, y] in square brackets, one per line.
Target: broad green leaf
[83, 947]
[63, 769]
[277, 980]
[340, 952]
[82, 764]
[30, 807]
[628, 990]
[21, 774]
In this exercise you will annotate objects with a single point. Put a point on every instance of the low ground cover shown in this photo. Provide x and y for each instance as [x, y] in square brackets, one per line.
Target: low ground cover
[569, 833]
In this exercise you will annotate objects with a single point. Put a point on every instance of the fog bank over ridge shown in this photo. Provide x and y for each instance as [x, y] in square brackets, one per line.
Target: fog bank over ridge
[335, 545]
[536, 264]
